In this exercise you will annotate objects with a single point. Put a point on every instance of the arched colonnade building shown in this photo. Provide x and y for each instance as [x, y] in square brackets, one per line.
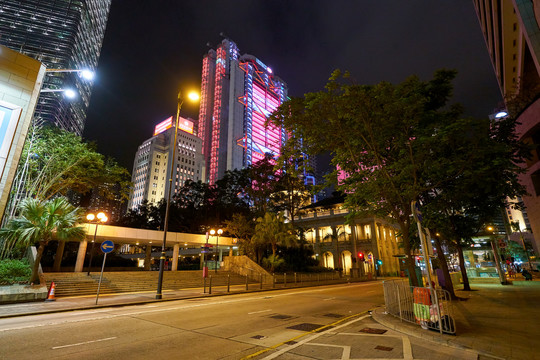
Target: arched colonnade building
[338, 245]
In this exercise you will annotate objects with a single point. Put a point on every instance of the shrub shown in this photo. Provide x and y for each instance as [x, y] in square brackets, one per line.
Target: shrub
[14, 271]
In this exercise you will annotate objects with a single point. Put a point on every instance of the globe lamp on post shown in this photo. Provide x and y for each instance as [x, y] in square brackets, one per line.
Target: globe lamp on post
[95, 219]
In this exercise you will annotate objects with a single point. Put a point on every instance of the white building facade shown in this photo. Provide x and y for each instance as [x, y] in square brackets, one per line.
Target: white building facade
[152, 165]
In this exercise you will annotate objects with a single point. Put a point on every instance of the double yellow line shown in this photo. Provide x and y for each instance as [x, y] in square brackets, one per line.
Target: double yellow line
[273, 347]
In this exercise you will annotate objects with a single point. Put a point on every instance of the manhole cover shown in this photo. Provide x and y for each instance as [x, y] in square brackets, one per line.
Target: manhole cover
[258, 337]
[281, 317]
[383, 348]
[373, 331]
[305, 327]
[337, 316]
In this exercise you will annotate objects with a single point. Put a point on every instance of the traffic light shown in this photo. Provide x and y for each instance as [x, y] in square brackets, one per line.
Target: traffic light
[379, 262]
[361, 256]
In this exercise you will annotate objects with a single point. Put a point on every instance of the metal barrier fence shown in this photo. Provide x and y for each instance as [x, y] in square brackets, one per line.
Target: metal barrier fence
[429, 308]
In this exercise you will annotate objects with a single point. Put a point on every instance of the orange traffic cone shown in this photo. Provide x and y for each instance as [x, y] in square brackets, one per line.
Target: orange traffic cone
[50, 295]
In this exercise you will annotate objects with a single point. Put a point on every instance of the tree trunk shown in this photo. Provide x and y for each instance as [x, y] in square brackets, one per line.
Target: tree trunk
[409, 260]
[448, 286]
[59, 255]
[35, 268]
[466, 285]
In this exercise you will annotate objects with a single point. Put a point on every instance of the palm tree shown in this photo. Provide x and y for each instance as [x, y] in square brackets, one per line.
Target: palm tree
[272, 229]
[41, 222]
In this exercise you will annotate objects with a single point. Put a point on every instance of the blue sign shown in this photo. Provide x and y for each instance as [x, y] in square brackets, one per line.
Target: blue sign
[107, 246]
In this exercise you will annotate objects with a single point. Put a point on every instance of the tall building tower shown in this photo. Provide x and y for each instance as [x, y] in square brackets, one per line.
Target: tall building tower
[512, 37]
[62, 34]
[238, 93]
[151, 168]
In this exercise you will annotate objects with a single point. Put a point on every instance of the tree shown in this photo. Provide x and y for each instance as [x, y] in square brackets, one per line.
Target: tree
[291, 192]
[243, 228]
[263, 178]
[484, 175]
[381, 138]
[55, 162]
[272, 230]
[40, 222]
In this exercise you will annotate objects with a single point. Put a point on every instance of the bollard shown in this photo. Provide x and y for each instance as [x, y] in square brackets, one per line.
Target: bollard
[228, 282]
[210, 285]
[261, 280]
[273, 281]
[246, 283]
[204, 285]
[284, 279]
[294, 279]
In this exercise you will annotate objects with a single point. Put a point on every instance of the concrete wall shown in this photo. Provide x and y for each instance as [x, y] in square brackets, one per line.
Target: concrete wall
[529, 122]
[21, 78]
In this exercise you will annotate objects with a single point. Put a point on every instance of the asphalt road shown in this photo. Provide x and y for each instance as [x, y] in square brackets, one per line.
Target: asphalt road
[308, 323]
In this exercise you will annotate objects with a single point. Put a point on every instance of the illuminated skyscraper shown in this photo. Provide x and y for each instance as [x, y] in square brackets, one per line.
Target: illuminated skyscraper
[151, 168]
[238, 93]
[62, 34]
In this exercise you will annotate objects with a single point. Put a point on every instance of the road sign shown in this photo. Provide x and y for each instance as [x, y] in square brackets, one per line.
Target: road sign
[502, 244]
[107, 246]
[416, 211]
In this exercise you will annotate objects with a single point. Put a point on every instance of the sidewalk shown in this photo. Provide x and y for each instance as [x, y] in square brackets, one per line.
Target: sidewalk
[497, 321]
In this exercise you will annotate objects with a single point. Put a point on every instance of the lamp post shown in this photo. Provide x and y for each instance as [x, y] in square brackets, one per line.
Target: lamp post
[219, 232]
[95, 219]
[193, 97]
[495, 248]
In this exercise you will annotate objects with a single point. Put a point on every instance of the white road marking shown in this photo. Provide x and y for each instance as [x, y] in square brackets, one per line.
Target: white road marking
[332, 298]
[258, 312]
[312, 337]
[407, 349]
[83, 343]
[345, 355]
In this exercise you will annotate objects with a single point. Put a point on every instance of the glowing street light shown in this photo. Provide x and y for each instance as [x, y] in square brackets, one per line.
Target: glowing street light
[95, 219]
[191, 97]
[219, 232]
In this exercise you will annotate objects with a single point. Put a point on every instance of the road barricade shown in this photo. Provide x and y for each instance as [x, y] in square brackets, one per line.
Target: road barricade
[430, 308]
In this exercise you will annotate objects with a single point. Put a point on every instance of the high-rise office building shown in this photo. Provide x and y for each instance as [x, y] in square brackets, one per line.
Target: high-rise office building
[512, 37]
[238, 93]
[62, 34]
[152, 168]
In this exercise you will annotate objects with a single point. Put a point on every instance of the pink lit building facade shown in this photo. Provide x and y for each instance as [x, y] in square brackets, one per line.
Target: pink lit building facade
[238, 93]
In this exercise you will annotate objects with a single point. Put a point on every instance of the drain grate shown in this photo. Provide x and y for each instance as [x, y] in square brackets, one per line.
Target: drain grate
[258, 337]
[280, 317]
[337, 316]
[383, 348]
[305, 327]
[292, 342]
[373, 331]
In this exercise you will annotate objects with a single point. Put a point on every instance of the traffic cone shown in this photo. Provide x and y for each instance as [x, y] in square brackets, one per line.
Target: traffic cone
[50, 295]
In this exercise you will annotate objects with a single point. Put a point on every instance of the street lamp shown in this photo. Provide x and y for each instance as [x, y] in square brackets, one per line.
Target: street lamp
[496, 255]
[95, 219]
[219, 232]
[193, 97]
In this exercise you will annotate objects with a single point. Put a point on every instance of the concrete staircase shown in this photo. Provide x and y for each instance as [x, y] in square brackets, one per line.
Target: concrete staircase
[79, 284]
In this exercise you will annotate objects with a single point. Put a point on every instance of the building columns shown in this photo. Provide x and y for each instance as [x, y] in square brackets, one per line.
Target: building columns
[176, 249]
[81, 254]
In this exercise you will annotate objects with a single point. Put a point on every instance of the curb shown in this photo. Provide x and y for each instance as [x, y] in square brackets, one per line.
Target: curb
[391, 322]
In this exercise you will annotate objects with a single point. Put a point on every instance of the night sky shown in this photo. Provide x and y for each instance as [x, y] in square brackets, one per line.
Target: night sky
[154, 48]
